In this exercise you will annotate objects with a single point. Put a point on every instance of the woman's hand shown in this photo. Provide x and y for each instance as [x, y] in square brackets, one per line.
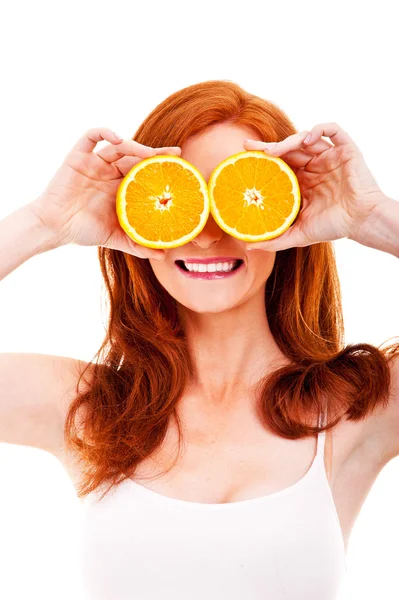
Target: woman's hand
[338, 190]
[79, 204]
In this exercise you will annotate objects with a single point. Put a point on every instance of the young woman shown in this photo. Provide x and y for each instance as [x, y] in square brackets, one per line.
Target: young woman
[197, 438]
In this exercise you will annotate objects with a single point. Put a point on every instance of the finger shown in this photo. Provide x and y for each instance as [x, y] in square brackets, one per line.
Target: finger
[90, 139]
[168, 150]
[292, 238]
[292, 142]
[337, 135]
[297, 159]
[119, 240]
[126, 163]
[320, 146]
[112, 153]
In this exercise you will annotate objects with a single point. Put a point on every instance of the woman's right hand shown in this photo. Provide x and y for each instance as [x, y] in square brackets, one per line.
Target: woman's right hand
[79, 204]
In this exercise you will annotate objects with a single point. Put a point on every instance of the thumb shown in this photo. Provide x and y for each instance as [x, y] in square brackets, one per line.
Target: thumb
[119, 240]
[292, 238]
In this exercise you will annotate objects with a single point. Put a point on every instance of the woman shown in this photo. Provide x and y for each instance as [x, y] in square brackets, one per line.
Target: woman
[216, 394]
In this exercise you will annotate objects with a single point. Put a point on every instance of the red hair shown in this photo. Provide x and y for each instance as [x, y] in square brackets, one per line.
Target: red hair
[142, 368]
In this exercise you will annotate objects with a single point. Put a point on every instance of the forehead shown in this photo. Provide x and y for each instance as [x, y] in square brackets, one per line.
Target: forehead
[207, 149]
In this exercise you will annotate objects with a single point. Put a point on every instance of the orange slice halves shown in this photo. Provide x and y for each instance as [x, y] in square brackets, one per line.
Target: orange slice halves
[162, 202]
[253, 196]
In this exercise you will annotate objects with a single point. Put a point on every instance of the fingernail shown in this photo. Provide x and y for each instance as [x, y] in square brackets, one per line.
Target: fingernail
[117, 136]
[308, 138]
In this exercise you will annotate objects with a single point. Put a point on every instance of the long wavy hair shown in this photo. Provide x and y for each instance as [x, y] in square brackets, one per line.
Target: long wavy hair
[142, 368]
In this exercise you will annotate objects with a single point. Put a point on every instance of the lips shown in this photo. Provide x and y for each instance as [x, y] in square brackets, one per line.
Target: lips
[211, 259]
[180, 263]
[209, 275]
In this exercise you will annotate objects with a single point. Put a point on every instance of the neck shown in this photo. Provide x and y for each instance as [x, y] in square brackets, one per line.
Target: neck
[231, 350]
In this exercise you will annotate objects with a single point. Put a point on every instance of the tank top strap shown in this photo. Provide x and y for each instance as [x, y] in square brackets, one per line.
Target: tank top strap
[321, 438]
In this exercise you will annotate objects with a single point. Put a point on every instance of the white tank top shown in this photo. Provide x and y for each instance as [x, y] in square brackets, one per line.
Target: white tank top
[288, 545]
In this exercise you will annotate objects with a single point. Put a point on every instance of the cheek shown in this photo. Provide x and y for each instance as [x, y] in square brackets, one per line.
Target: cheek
[262, 265]
[159, 267]
[166, 272]
[261, 260]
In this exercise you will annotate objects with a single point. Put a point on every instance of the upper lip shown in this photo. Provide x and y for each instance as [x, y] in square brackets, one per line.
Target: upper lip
[212, 259]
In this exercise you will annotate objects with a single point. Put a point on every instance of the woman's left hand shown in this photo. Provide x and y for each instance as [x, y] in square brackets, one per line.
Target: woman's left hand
[338, 190]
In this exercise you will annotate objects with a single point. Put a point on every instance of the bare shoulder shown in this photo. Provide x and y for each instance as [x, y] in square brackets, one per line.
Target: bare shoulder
[74, 377]
[36, 392]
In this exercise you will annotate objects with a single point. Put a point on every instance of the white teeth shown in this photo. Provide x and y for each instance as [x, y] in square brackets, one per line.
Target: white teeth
[211, 267]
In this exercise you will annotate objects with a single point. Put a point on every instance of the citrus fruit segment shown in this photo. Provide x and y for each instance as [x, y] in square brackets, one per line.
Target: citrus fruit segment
[162, 202]
[253, 196]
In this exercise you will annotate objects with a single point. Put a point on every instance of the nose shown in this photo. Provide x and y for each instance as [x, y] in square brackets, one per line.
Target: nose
[211, 234]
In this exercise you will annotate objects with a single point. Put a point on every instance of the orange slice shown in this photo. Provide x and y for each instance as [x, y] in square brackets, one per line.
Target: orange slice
[253, 196]
[162, 202]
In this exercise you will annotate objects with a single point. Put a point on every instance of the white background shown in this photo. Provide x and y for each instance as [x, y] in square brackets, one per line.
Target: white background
[69, 66]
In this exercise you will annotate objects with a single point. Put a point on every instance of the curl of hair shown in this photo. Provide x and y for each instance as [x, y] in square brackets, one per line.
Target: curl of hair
[143, 366]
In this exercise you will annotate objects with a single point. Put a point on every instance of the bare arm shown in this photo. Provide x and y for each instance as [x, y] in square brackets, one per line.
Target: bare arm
[30, 384]
[22, 236]
[383, 426]
[381, 230]
[35, 393]
[35, 389]
[77, 207]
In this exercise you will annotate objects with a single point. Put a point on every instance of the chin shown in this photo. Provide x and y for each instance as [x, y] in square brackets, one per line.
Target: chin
[209, 305]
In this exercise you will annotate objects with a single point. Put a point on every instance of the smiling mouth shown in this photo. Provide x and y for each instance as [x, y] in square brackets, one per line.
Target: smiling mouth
[180, 263]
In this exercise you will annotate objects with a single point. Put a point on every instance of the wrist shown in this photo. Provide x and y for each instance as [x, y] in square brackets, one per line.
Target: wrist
[22, 236]
[47, 238]
[381, 229]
